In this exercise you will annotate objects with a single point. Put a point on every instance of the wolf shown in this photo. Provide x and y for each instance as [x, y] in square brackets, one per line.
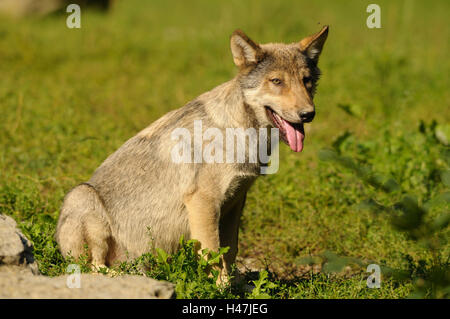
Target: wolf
[139, 199]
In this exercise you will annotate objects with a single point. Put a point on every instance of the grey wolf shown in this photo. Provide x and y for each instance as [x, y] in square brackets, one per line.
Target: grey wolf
[139, 198]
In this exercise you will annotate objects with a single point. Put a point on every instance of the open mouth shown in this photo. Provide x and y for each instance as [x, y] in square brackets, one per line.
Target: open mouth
[292, 134]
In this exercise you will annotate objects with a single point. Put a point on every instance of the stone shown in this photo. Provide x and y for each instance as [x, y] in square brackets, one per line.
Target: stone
[15, 248]
[19, 275]
[92, 286]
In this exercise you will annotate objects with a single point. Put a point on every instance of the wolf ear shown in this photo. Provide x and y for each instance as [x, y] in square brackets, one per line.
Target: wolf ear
[245, 51]
[312, 45]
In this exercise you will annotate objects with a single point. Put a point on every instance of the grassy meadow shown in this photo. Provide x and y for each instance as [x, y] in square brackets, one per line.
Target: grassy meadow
[371, 186]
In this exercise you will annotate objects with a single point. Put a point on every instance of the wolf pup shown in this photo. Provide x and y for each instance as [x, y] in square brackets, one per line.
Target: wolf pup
[140, 198]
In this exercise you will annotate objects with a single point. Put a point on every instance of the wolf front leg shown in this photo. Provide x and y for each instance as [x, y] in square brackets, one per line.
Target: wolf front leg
[204, 215]
[229, 232]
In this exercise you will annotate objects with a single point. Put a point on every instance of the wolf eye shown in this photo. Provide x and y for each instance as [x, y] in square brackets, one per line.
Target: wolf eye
[276, 81]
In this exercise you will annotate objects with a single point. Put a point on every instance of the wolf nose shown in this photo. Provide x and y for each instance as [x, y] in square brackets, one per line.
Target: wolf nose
[307, 116]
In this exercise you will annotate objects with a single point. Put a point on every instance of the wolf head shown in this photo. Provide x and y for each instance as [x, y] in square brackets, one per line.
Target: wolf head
[279, 80]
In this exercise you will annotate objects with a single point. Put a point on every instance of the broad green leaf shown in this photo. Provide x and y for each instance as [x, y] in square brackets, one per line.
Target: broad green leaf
[441, 221]
[162, 255]
[445, 177]
[442, 133]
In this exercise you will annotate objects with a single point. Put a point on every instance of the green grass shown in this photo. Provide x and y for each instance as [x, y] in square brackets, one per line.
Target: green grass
[69, 98]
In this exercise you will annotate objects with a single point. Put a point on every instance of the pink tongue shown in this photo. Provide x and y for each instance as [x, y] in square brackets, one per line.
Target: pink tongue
[295, 137]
